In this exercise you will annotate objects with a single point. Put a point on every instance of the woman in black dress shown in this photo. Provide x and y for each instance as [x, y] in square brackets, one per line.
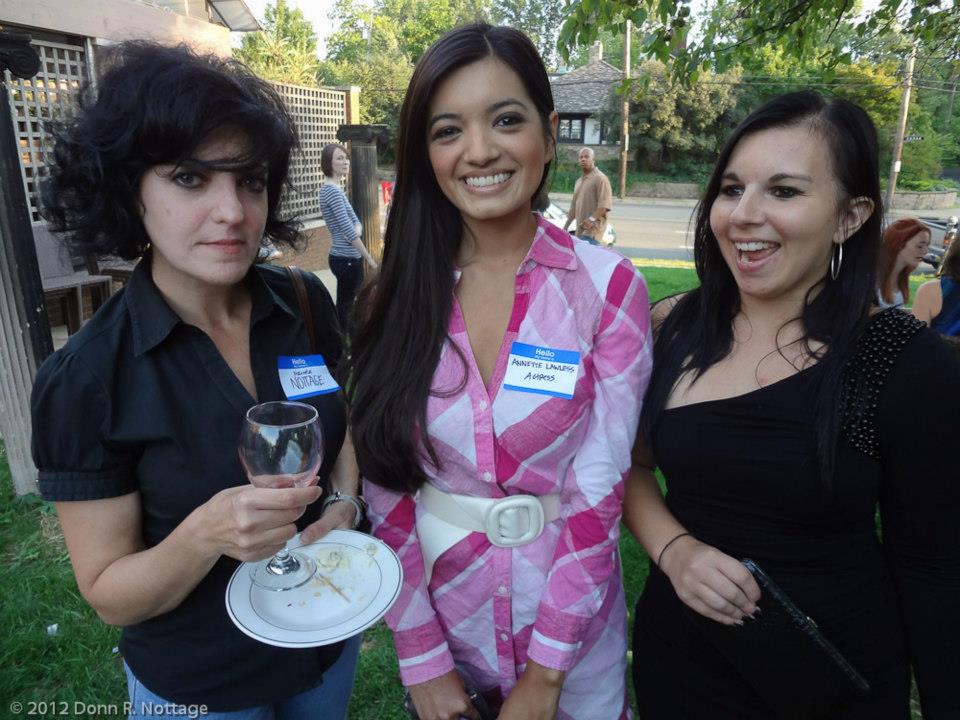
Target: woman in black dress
[776, 413]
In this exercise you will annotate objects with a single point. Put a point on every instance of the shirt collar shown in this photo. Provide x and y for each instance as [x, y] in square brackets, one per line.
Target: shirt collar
[152, 319]
[551, 247]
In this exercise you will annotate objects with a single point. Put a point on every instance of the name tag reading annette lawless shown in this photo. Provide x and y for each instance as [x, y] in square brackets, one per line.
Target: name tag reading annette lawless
[542, 370]
[304, 376]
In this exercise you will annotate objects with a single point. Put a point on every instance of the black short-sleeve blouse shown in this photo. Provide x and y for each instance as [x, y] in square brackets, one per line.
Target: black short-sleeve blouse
[140, 401]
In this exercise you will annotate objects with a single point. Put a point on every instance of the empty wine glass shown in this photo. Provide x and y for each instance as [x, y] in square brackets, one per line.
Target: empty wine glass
[281, 446]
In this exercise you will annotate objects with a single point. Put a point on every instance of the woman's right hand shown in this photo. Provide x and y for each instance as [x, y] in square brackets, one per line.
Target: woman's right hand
[710, 582]
[249, 523]
[442, 698]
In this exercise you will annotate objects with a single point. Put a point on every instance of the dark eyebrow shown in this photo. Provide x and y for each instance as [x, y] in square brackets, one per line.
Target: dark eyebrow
[499, 105]
[729, 175]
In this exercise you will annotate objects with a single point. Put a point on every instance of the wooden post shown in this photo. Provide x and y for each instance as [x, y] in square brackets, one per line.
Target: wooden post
[25, 339]
[901, 130]
[625, 131]
[364, 192]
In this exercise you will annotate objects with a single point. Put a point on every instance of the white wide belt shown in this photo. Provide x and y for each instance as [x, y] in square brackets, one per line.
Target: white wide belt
[507, 522]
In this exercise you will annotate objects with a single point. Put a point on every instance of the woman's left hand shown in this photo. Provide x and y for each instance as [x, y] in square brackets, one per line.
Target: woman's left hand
[337, 515]
[536, 696]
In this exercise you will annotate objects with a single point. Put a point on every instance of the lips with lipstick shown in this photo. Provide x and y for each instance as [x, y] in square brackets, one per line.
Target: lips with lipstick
[485, 181]
[754, 251]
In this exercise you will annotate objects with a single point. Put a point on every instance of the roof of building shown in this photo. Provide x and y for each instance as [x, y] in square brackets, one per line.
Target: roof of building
[588, 89]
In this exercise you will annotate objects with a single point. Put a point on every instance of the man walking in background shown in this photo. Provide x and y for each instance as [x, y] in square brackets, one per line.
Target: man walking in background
[592, 200]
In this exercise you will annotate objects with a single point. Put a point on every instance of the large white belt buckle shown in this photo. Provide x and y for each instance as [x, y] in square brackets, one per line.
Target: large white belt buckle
[515, 520]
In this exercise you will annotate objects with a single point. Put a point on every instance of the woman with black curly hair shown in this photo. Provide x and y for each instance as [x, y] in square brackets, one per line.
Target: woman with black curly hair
[180, 160]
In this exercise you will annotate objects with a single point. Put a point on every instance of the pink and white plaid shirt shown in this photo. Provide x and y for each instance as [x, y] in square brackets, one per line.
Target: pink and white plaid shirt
[558, 600]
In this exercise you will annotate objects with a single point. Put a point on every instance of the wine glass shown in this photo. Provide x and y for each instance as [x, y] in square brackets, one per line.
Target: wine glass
[281, 446]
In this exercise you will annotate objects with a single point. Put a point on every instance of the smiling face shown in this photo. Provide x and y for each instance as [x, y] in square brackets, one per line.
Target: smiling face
[778, 213]
[204, 225]
[911, 255]
[486, 142]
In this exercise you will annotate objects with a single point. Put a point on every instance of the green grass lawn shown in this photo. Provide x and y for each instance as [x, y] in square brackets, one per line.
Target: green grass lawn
[77, 662]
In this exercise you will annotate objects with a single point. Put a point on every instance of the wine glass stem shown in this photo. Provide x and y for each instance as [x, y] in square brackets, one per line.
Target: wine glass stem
[283, 563]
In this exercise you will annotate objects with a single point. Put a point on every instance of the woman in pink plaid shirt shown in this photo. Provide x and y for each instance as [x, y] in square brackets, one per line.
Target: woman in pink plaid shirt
[498, 367]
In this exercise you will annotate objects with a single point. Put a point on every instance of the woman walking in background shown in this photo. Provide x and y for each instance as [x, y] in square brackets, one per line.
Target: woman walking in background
[347, 250]
[498, 368]
[776, 412]
[905, 242]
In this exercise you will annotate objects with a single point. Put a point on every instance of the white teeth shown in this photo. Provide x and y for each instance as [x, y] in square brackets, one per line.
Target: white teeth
[751, 246]
[487, 180]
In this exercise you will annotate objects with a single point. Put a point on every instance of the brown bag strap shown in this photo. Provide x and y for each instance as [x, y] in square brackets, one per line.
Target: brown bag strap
[300, 288]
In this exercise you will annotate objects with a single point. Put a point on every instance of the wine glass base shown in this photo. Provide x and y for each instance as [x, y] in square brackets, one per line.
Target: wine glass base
[267, 575]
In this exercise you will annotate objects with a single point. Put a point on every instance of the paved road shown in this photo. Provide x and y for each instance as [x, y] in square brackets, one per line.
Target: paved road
[651, 230]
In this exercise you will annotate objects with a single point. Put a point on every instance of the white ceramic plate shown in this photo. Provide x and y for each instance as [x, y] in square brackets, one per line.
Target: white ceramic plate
[361, 580]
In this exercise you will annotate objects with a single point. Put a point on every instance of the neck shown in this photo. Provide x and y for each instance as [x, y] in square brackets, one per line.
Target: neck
[338, 177]
[587, 172]
[769, 315]
[203, 305]
[502, 239]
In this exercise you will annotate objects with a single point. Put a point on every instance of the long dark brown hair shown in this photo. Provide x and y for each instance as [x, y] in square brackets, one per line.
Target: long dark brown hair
[401, 320]
[699, 330]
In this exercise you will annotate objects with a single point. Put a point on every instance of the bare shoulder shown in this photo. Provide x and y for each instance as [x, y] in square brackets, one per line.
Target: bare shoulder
[662, 308]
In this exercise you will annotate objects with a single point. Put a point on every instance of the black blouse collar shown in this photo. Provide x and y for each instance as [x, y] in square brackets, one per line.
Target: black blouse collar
[152, 319]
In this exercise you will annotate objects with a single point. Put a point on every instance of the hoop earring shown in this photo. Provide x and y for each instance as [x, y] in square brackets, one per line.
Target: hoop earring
[837, 258]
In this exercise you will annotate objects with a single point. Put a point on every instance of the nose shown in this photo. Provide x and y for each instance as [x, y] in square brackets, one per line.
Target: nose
[748, 210]
[227, 204]
[480, 148]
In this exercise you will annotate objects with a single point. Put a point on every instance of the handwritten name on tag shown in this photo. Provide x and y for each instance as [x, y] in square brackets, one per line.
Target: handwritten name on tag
[304, 376]
[542, 370]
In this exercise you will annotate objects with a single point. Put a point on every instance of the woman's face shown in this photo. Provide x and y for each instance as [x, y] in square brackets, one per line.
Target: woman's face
[204, 226]
[340, 162]
[911, 254]
[487, 144]
[777, 215]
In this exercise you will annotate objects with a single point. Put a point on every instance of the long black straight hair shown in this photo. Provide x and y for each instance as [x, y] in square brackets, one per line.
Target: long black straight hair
[698, 332]
[401, 320]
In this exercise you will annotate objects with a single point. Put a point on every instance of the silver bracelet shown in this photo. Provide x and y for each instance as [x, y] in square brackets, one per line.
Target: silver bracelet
[357, 503]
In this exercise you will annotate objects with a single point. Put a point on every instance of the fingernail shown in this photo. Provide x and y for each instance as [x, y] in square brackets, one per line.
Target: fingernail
[738, 623]
[757, 611]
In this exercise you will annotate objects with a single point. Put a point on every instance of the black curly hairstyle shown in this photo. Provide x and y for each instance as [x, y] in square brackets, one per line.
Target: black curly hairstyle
[155, 105]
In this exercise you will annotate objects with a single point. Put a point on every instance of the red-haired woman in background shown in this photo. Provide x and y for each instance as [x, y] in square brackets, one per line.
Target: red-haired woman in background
[905, 242]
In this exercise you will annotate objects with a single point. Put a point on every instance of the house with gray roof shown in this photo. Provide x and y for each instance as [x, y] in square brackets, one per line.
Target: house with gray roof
[579, 96]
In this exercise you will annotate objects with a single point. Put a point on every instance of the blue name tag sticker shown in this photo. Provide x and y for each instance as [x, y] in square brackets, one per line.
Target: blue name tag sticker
[542, 370]
[303, 376]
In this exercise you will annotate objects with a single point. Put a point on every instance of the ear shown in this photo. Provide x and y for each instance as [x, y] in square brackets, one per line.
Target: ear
[553, 122]
[854, 215]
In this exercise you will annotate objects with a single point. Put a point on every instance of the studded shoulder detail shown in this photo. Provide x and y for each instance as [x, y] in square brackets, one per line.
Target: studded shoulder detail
[865, 373]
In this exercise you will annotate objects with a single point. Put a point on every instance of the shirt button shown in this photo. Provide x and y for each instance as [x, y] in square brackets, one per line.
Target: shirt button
[487, 476]
[504, 637]
[502, 589]
[483, 404]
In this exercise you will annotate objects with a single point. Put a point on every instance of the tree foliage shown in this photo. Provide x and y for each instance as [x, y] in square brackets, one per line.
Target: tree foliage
[286, 50]
[540, 20]
[730, 30]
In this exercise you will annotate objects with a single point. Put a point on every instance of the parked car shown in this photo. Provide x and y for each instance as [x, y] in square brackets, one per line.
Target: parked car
[556, 215]
[942, 233]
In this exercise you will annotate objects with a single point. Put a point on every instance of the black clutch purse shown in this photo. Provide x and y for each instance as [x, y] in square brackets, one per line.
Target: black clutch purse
[785, 658]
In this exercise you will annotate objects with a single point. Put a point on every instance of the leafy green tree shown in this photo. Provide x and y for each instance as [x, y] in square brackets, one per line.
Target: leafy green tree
[286, 50]
[540, 20]
[729, 30]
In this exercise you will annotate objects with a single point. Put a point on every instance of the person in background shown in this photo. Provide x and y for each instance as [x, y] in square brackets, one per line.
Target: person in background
[905, 242]
[938, 301]
[347, 251]
[498, 368]
[181, 160]
[592, 200]
[776, 413]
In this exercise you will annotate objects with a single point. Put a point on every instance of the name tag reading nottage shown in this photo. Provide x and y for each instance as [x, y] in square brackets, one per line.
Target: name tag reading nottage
[303, 376]
[542, 370]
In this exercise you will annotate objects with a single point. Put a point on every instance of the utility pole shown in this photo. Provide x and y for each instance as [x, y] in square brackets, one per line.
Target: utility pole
[24, 329]
[625, 130]
[901, 129]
